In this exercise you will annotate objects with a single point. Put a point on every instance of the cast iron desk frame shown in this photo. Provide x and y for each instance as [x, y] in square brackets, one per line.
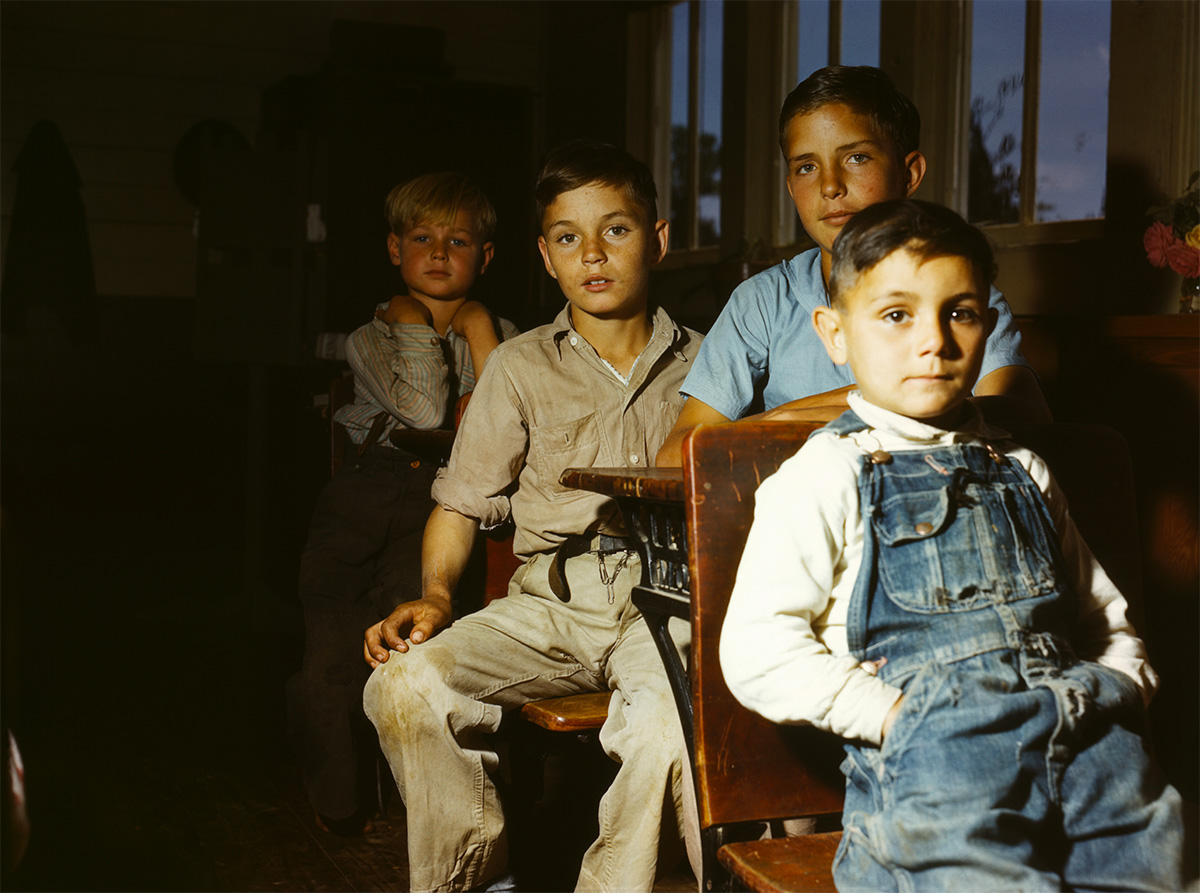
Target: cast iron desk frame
[652, 503]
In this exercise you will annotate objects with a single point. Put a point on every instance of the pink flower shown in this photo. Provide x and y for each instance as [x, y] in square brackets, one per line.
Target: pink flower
[1184, 260]
[1157, 241]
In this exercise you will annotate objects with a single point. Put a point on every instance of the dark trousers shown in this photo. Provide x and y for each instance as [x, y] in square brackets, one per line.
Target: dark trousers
[362, 559]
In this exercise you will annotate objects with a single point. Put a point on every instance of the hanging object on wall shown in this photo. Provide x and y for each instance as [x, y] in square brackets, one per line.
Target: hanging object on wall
[48, 273]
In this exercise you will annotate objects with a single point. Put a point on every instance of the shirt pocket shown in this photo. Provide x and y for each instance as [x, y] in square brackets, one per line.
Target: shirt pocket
[941, 553]
[555, 448]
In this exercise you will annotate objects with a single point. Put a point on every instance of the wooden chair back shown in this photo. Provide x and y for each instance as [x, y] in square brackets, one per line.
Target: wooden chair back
[746, 768]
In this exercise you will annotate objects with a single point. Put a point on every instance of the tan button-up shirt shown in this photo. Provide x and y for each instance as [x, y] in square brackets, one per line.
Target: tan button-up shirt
[547, 402]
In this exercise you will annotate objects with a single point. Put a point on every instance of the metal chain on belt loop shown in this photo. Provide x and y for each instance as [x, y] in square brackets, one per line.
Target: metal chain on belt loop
[608, 581]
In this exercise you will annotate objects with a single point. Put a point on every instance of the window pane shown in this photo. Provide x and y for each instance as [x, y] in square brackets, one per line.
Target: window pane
[812, 38]
[860, 32]
[680, 15]
[997, 79]
[1073, 110]
[712, 21]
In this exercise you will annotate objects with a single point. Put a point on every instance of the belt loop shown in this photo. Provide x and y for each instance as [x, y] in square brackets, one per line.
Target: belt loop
[600, 544]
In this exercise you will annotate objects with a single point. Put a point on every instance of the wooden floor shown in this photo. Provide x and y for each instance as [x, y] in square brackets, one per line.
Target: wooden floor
[146, 691]
[169, 770]
[150, 619]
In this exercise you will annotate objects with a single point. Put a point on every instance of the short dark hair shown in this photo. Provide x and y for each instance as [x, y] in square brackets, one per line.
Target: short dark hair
[582, 162]
[922, 228]
[437, 198]
[865, 89]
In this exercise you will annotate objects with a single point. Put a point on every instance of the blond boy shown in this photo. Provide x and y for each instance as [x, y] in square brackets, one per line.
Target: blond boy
[362, 557]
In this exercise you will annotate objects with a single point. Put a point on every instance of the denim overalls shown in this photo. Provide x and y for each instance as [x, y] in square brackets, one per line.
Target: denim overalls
[1011, 764]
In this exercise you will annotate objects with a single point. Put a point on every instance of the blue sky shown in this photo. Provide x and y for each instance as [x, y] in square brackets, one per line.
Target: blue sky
[1073, 103]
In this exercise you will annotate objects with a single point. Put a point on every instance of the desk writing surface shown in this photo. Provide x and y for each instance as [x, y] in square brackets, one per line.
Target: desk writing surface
[659, 484]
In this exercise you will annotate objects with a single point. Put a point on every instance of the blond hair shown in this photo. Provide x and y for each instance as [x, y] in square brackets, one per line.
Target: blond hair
[437, 198]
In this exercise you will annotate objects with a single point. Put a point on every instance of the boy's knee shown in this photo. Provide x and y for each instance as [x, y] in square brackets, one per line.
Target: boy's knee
[651, 731]
[406, 684]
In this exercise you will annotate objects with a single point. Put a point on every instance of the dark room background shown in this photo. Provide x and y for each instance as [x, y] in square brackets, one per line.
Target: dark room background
[191, 210]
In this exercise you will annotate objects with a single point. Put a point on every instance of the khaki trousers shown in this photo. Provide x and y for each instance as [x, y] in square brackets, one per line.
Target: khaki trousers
[434, 706]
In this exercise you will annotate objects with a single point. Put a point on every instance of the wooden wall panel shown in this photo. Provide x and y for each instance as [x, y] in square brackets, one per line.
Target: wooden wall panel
[125, 81]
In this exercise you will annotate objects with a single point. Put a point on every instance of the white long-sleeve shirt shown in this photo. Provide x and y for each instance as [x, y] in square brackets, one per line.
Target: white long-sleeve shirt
[783, 646]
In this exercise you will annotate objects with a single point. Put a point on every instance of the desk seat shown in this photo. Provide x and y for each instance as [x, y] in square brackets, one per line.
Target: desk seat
[790, 865]
[573, 713]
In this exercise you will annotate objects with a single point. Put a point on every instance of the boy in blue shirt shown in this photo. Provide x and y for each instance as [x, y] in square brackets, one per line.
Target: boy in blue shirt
[362, 558]
[914, 583]
[849, 139]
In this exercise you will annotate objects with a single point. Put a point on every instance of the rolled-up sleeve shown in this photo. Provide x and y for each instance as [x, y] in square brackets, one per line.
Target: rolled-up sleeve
[489, 450]
[1003, 346]
[403, 368]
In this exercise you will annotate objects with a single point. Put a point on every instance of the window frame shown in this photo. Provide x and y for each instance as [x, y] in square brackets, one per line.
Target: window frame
[1028, 230]
[757, 217]
[660, 138]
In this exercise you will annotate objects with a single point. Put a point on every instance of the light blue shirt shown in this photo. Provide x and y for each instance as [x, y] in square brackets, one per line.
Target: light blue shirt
[763, 343]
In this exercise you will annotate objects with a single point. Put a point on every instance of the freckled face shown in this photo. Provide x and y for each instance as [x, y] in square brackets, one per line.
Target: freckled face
[599, 245]
[838, 164]
[913, 333]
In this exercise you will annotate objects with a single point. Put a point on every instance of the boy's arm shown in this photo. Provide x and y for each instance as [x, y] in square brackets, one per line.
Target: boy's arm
[445, 550]
[1007, 396]
[1007, 392]
[487, 455]
[695, 412]
[815, 408]
[771, 655]
[475, 324]
[404, 370]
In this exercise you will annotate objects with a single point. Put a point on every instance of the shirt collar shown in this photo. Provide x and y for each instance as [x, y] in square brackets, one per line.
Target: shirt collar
[664, 327]
[973, 427]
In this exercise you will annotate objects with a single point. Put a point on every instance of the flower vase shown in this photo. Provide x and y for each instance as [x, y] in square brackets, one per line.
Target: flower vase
[1189, 295]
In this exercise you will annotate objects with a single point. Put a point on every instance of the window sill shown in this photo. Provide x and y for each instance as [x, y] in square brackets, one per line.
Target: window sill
[1018, 234]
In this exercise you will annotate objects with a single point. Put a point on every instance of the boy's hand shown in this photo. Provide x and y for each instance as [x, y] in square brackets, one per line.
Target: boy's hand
[473, 320]
[420, 618]
[891, 717]
[405, 309]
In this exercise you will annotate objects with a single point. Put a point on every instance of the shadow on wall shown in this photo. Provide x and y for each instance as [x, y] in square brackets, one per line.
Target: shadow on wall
[1146, 388]
[1131, 284]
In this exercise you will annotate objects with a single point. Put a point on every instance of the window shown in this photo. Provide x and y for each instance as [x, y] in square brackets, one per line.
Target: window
[697, 32]
[836, 32]
[1014, 98]
[828, 32]
[1038, 111]
[686, 46]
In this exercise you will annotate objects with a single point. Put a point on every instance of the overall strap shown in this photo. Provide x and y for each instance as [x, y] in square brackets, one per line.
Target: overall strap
[960, 557]
[847, 423]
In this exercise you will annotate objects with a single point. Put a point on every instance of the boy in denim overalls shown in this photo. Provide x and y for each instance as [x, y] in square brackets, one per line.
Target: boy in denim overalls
[914, 583]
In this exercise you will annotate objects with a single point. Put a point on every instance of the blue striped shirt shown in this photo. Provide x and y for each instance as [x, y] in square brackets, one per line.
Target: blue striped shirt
[407, 371]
